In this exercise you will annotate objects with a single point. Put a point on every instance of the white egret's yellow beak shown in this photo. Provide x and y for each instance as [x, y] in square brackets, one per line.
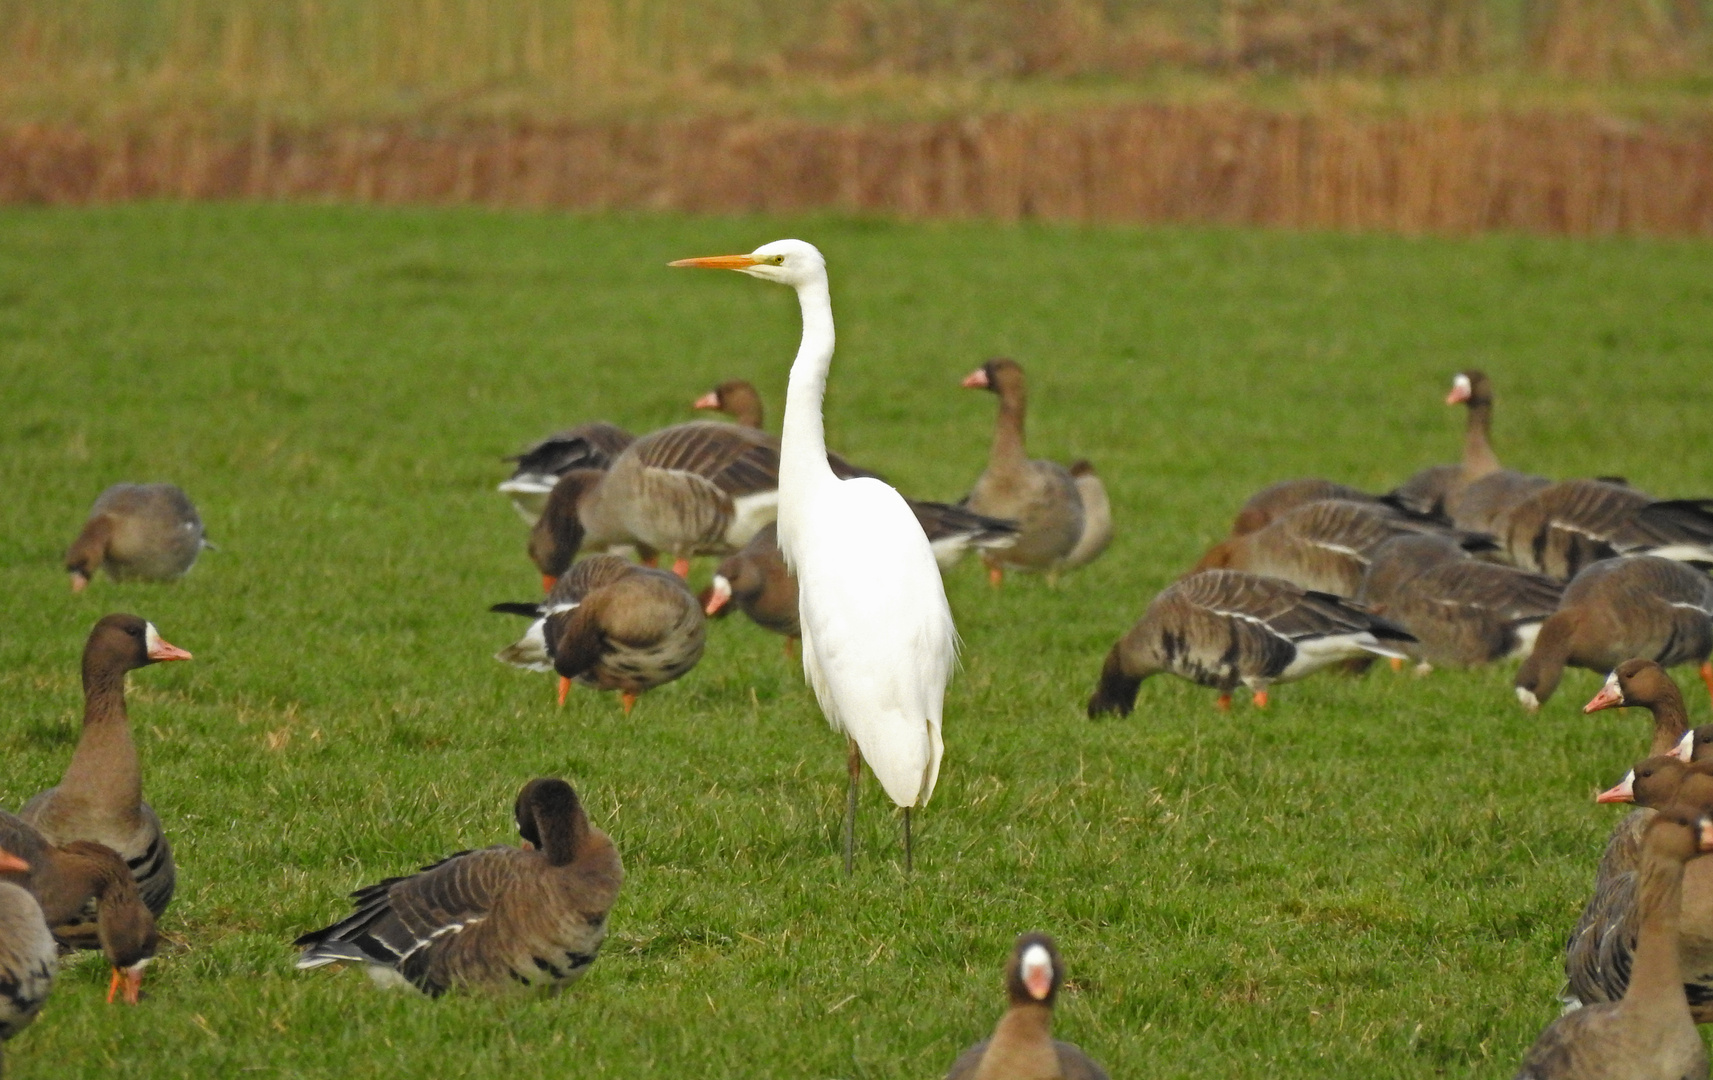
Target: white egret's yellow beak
[719, 262]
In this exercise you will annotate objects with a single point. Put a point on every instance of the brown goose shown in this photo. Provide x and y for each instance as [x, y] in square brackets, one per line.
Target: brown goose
[88, 898]
[1276, 500]
[951, 530]
[1596, 957]
[756, 579]
[1617, 609]
[538, 466]
[139, 532]
[100, 797]
[1462, 611]
[1041, 496]
[1220, 628]
[612, 625]
[1563, 527]
[1022, 1046]
[1648, 1034]
[701, 488]
[29, 959]
[1325, 546]
[1483, 490]
[491, 919]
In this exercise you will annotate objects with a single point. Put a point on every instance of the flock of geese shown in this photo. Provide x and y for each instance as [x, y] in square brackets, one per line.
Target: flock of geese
[1463, 564]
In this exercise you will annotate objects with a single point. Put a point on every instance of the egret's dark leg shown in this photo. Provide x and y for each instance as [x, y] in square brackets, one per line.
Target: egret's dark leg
[907, 864]
[855, 765]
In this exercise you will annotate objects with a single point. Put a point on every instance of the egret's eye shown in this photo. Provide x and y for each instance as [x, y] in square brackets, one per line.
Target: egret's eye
[775, 260]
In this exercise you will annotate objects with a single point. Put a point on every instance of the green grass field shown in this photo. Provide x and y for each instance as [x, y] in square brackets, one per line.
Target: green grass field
[1371, 879]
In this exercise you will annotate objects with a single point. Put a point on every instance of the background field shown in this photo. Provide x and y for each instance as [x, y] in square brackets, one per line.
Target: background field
[1373, 878]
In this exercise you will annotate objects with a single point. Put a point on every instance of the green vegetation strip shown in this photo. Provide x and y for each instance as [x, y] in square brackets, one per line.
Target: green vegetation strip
[1373, 878]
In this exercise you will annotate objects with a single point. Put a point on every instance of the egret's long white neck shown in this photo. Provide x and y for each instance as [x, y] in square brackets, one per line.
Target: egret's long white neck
[803, 455]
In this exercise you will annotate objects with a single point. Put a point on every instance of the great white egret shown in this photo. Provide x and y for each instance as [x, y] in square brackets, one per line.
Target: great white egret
[878, 639]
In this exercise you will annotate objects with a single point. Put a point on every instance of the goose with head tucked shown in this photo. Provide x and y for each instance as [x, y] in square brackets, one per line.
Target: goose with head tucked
[878, 639]
[538, 466]
[1041, 496]
[612, 625]
[1649, 1033]
[1563, 527]
[138, 532]
[1616, 609]
[100, 797]
[952, 530]
[492, 919]
[88, 898]
[29, 958]
[1225, 628]
[1022, 1046]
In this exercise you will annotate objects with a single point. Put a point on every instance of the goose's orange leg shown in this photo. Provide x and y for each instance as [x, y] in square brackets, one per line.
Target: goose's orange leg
[1223, 703]
[629, 700]
[1707, 676]
[564, 688]
[1260, 699]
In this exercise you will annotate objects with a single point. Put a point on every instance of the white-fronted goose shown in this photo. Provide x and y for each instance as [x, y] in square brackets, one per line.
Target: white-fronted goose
[1482, 490]
[701, 488]
[1596, 957]
[1649, 1034]
[1041, 496]
[1617, 609]
[488, 919]
[1462, 611]
[139, 532]
[1563, 527]
[29, 959]
[100, 797]
[757, 581]
[1276, 500]
[1325, 546]
[1022, 1046]
[951, 530]
[1220, 628]
[538, 466]
[88, 898]
[612, 625]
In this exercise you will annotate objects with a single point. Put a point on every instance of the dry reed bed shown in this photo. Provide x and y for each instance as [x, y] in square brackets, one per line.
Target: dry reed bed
[1538, 173]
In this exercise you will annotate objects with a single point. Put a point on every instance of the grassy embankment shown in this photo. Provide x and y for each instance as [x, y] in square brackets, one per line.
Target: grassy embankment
[1373, 878]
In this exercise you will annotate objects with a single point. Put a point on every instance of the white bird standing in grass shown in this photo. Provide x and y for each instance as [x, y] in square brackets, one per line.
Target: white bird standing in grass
[878, 639]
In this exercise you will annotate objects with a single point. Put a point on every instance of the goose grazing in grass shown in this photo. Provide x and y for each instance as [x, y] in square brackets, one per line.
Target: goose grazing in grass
[538, 466]
[1562, 528]
[100, 797]
[612, 625]
[88, 898]
[952, 530]
[758, 582]
[1222, 628]
[1022, 1046]
[1041, 496]
[1462, 611]
[490, 919]
[139, 532]
[29, 958]
[878, 639]
[1616, 609]
[1649, 1033]
[1325, 546]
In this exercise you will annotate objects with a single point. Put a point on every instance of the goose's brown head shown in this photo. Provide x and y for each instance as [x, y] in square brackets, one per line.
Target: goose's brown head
[1634, 682]
[1470, 387]
[126, 642]
[1654, 782]
[550, 818]
[1034, 973]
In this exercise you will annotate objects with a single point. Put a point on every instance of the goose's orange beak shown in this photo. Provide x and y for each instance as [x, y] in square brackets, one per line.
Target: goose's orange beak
[128, 984]
[1459, 394]
[79, 581]
[1608, 697]
[719, 262]
[1623, 791]
[163, 650]
[11, 863]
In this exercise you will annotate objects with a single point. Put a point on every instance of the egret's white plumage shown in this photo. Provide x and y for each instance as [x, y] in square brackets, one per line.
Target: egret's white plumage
[878, 639]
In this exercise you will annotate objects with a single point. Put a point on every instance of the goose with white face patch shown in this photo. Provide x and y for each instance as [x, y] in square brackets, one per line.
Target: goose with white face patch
[499, 918]
[1225, 628]
[100, 797]
[611, 625]
[1022, 1046]
[878, 639]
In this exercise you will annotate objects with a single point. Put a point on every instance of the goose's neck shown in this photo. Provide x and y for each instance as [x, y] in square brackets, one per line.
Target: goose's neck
[1007, 445]
[1478, 456]
[1656, 979]
[803, 450]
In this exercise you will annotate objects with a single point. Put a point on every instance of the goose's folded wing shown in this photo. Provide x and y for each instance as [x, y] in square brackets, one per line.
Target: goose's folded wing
[735, 459]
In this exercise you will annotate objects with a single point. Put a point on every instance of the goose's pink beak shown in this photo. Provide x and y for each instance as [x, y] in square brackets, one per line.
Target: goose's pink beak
[976, 380]
[1625, 791]
[718, 262]
[79, 581]
[11, 863]
[162, 651]
[1609, 697]
[718, 593]
[710, 400]
[1459, 394]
